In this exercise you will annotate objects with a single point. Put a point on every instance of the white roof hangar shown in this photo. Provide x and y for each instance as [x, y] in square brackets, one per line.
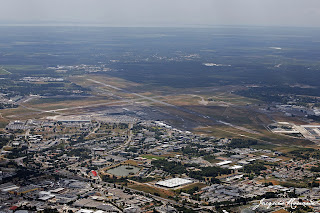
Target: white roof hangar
[174, 182]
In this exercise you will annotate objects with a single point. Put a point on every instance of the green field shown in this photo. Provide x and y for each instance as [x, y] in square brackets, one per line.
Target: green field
[4, 72]
[153, 157]
[23, 67]
[152, 190]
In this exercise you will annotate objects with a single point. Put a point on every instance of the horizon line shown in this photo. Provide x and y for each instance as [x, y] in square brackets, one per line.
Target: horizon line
[48, 24]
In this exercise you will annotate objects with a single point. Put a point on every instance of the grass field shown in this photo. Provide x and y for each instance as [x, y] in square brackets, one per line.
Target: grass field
[153, 157]
[295, 184]
[3, 71]
[152, 190]
[272, 180]
[3, 122]
[191, 186]
[23, 67]
[212, 99]
[60, 103]
[22, 113]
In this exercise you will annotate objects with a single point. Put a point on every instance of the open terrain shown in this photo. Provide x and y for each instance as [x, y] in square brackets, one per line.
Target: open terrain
[224, 86]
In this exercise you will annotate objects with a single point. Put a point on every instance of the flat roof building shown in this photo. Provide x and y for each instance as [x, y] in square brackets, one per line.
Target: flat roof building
[223, 163]
[174, 182]
[236, 167]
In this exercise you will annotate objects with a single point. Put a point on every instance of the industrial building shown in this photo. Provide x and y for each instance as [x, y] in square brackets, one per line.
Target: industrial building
[174, 182]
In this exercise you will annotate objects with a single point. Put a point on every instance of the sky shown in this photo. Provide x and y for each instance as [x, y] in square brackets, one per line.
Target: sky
[162, 13]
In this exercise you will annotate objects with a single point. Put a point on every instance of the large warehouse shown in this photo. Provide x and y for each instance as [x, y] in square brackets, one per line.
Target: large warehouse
[174, 182]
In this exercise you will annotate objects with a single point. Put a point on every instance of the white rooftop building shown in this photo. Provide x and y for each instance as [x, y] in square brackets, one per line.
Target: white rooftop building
[236, 167]
[223, 163]
[174, 182]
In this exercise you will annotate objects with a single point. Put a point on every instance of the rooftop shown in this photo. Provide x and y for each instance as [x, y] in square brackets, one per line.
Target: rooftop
[224, 163]
[174, 182]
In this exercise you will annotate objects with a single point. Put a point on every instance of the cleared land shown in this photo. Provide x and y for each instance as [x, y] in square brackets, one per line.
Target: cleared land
[152, 190]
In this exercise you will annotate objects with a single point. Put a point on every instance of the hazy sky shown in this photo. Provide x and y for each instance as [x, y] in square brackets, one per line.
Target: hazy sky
[163, 12]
